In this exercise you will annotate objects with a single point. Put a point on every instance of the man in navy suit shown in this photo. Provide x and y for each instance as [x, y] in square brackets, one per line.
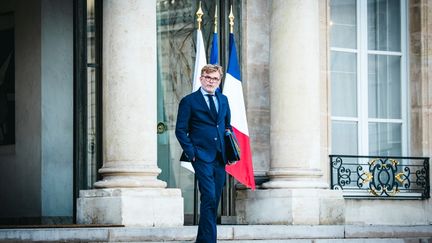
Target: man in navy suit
[203, 117]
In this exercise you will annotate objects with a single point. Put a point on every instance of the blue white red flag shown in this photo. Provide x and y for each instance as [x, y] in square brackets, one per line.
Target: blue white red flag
[243, 169]
[214, 50]
[200, 62]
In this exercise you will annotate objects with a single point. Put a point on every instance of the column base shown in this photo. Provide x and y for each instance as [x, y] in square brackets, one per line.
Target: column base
[283, 184]
[129, 182]
[295, 178]
[290, 206]
[131, 207]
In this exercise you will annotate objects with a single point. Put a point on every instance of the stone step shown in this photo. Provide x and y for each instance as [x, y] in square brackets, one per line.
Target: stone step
[369, 240]
[227, 233]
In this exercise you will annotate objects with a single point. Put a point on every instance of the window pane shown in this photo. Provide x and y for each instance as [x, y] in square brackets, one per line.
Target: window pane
[384, 87]
[8, 99]
[92, 165]
[343, 23]
[385, 139]
[344, 138]
[344, 84]
[384, 25]
[91, 54]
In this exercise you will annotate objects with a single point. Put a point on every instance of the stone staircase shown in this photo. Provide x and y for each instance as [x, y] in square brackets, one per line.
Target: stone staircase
[226, 233]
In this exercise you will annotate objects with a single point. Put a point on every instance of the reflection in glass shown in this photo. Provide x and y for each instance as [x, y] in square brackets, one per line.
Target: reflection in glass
[384, 87]
[92, 166]
[91, 52]
[344, 138]
[344, 84]
[7, 80]
[384, 25]
[91, 127]
[343, 23]
[385, 139]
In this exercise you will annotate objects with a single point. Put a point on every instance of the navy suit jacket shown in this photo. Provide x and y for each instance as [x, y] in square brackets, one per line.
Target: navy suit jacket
[198, 131]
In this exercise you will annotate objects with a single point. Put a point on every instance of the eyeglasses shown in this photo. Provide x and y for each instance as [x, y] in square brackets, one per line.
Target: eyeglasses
[211, 78]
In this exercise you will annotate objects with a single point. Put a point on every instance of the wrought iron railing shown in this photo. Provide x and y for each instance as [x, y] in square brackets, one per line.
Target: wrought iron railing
[380, 177]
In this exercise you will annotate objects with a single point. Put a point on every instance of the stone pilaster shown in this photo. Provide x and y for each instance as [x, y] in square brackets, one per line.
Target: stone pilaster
[420, 86]
[130, 193]
[420, 50]
[297, 192]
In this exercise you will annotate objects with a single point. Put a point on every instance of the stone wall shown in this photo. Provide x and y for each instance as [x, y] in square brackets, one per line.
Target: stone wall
[256, 29]
[20, 164]
[255, 72]
[420, 59]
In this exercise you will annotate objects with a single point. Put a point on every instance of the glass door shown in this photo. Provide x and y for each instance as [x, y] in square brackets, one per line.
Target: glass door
[175, 67]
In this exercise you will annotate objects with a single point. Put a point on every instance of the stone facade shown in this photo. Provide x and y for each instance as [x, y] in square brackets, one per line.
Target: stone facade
[285, 73]
[272, 206]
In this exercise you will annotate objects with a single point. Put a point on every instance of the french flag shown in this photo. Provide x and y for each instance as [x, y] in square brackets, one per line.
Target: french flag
[214, 50]
[243, 169]
[200, 62]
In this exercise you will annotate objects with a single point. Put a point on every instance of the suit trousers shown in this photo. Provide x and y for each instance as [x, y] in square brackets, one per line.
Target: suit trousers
[211, 180]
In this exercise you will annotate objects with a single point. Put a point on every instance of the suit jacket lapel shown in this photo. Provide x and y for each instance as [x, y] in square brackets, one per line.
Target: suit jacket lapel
[203, 102]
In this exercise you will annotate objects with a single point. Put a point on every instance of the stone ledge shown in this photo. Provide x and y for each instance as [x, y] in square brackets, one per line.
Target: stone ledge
[258, 232]
[54, 234]
[185, 233]
[143, 192]
[237, 233]
[386, 231]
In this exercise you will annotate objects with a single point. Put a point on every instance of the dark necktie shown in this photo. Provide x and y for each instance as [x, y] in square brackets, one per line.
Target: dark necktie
[213, 111]
[212, 106]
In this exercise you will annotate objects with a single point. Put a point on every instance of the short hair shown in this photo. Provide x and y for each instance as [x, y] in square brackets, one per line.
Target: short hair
[211, 68]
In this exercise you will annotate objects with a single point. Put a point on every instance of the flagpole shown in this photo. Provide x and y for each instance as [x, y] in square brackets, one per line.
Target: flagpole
[200, 61]
[231, 22]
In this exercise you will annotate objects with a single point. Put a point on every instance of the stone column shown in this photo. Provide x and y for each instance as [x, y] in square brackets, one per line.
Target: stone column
[130, 194]
[296, 192]
[295, 95]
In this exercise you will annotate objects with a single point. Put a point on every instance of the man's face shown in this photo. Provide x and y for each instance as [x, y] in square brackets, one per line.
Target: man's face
[210, 81]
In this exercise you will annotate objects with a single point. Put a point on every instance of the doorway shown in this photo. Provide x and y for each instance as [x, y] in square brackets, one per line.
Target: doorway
[176, 37]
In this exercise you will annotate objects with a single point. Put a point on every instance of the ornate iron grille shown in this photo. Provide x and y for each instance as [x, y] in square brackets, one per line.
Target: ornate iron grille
[380, 177]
